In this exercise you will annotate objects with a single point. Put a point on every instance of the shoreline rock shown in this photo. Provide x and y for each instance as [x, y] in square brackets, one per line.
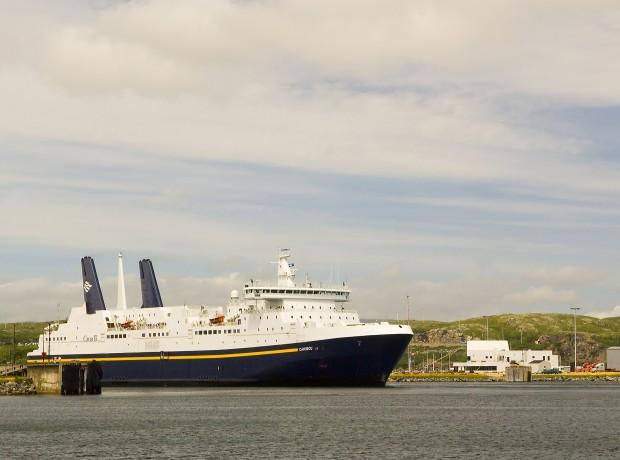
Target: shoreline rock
[12, 388]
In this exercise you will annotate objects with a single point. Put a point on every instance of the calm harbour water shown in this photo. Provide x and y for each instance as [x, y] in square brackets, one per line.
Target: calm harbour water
[417, 420]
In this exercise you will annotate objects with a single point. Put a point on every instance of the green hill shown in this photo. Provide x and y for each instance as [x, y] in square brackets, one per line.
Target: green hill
[531, 330]
[26, 334]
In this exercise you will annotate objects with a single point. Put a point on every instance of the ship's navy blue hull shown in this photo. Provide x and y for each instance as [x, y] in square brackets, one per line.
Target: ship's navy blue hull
[362, 360]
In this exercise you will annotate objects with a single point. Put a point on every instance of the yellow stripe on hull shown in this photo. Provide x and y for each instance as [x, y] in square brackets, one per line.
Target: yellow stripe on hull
[158, 358]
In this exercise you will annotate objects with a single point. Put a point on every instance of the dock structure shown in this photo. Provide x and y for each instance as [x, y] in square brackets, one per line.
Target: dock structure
[65, 379]
[47, 378]
[517, 373]
[12, 370]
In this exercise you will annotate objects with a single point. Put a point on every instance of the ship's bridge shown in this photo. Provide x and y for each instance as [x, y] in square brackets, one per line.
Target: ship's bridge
[278, 292]
[286, 288]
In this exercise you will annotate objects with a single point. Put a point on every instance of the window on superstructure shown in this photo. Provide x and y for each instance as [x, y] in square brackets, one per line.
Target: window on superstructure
[143, 334]
[124, 336]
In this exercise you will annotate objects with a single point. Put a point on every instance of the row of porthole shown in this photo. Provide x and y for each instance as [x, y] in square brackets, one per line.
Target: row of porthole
[218, 331]
[117, 336]
[156, 334]
[56, 339]
[320, 317]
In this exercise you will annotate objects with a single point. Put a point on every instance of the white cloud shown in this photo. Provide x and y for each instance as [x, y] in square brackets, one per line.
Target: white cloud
[353, 88]
[615, 311]
[36, 299]
[424, 91]
[543, 296]
[567, 275]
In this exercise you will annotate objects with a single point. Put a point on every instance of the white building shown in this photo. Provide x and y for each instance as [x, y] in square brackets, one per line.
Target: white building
[613, 358]
[495, 355]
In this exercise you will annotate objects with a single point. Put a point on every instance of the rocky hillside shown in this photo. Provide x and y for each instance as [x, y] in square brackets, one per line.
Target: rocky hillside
[532, 330]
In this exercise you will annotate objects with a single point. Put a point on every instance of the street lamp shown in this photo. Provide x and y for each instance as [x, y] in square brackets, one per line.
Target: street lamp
[575, 309]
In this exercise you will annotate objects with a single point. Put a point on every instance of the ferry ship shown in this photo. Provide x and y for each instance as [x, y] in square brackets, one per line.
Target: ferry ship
[277, 333]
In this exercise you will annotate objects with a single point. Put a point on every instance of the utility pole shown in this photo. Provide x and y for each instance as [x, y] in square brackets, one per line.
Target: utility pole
[13, 344]
[409, 344]
[575, 309]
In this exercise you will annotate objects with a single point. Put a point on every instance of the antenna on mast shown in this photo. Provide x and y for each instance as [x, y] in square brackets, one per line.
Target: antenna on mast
[121, 302]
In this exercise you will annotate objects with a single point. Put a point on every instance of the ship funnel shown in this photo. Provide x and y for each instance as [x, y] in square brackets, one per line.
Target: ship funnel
[93, 297]
[151, 297]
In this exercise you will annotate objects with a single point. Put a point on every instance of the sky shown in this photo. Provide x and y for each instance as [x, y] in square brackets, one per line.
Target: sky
[464, 154]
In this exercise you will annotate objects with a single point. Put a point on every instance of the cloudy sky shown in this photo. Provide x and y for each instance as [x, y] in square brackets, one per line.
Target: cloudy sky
[463, 153]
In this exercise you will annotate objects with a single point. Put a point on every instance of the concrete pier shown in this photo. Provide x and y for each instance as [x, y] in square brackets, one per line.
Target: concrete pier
[47, 378]
[66, 379]
[518, 374]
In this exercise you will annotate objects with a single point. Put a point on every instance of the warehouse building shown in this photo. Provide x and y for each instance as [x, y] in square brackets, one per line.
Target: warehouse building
[495, 355]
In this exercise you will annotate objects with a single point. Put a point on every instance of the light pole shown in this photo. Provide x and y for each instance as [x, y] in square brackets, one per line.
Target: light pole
[408, 345]
[575, 309]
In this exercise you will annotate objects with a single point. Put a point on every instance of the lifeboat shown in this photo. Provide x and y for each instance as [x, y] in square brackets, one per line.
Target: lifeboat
[218, 319]
[127, 324]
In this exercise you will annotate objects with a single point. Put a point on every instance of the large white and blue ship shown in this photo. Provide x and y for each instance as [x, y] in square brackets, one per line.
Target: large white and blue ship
[277, 333]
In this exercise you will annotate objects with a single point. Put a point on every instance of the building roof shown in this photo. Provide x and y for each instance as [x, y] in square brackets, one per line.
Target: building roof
[487, 345]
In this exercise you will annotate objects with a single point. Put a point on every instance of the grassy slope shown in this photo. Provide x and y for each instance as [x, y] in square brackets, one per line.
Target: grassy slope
[24, 333]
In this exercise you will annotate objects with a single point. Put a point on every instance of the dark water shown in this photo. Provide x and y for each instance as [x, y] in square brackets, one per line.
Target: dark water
[564, 420]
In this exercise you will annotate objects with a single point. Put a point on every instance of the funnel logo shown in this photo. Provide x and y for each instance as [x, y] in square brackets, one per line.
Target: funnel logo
[87, 286]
